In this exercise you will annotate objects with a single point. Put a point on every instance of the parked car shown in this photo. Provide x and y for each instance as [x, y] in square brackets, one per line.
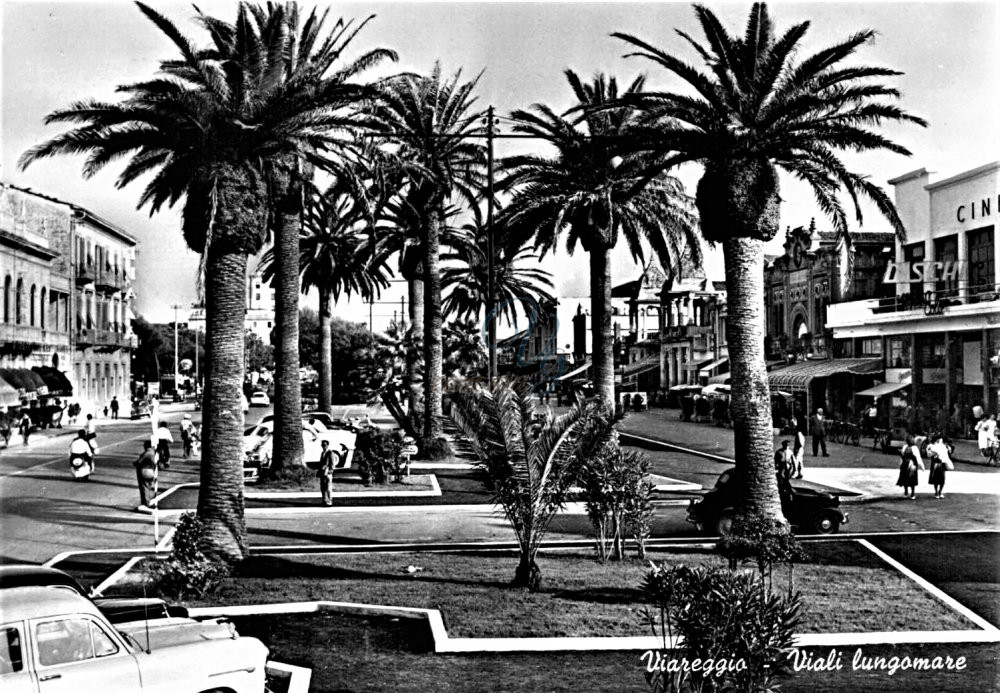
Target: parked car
[140, 408]
[258, 442]
[804, 508]
[116, 609]
[260, 399]
[53, 640]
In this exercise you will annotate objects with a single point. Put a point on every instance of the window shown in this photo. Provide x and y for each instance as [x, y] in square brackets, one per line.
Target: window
[946, 250]
[11, 657]
[43, 306]
[19, 302]
[871, 346]
[72, 640]
[6, 299]
[899, 352]
[911, 254]
[981, 271]
[31, 305]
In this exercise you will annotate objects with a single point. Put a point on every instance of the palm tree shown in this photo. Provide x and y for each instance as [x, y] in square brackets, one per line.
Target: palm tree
[596, 190]
[531, 460]
[336, 258]
[201, 129]
[467, 281]
[297, 61]
[432, 121]
[759, 105]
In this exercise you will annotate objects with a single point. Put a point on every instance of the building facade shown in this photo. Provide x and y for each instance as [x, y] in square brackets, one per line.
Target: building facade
[67, 297]
[259, 313]
[937, 333]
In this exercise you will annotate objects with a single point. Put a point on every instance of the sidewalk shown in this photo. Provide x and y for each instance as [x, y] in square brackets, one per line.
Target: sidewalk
[858, 469]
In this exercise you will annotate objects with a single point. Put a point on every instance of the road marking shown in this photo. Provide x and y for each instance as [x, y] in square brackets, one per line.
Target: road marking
[65, 458]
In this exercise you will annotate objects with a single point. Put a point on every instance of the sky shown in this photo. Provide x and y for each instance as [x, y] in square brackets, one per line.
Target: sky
[54, 54]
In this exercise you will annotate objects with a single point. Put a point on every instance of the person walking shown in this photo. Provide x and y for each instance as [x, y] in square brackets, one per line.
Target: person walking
[24, 428]
[163, 441]
[784, 461]
[146, 468]
[986, 432]
[114, 407]
[819, 429]
[154, 412]
[186, 426]
[799, 448]
[327, 463]
[909, 463]
[939, 459]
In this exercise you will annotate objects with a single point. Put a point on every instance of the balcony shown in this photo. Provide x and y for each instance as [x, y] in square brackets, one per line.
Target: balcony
[108, 281]
[680, 332]
[85, 274]
[105, 339]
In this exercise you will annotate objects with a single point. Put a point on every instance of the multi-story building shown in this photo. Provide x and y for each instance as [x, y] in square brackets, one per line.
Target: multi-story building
[937, 333]
[693, 349]
[67, 301]
[259, 313]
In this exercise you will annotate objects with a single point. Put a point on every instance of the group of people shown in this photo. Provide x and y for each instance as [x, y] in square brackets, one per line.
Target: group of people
[939, 458]
[156, 455]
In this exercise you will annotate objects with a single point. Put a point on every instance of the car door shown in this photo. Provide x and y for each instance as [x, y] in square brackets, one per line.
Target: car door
[15, 666]
[77, 653]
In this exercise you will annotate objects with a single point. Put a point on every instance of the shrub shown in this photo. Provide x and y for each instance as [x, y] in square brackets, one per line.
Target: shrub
[435, 449]
[724, 617]
[617, 493]
[188, 572]
[764, 542]
[377, 455]
[299, 475]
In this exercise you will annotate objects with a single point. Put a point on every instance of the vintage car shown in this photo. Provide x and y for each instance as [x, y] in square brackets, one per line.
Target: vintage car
[140, 408]
[259, 399]
[116, 609]
[258, 442]
[804, 508]
[53, 640]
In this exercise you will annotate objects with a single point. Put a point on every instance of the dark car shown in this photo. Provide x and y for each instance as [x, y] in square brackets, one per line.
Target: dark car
[140, 408]
[805, 509]
[117, 610]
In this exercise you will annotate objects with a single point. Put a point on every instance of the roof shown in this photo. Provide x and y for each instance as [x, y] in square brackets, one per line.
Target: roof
[798, 376]
[626, 290]
[882, 389]
[82, 212]
[19, 603]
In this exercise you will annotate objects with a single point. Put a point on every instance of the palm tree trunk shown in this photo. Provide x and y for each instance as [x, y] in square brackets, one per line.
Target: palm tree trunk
[288, 446]
[433, 343]
[326, 351]
[414, 372]
[603, 337]
[750, 404]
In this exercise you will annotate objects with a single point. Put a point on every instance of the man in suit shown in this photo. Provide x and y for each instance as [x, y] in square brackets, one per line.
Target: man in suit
[327, 463]
[818, 425]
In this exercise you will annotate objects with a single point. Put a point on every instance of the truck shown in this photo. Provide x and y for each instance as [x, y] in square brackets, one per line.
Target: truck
[53, 640]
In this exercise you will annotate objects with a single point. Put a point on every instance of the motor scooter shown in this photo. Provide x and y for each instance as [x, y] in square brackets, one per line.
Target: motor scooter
[81, 466]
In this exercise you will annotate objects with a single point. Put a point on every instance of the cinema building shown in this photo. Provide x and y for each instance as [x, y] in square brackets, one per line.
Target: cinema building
[937, 331]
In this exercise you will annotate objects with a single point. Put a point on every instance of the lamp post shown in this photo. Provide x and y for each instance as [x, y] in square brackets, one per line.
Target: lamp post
[177, 361]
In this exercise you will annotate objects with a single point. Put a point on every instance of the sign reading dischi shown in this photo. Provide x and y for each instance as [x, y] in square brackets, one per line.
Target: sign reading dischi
[926, 271]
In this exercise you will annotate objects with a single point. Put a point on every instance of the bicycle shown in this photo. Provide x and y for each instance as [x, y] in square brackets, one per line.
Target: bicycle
[882, 440]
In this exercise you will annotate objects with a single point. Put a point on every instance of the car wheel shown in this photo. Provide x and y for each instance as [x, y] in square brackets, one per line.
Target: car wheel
[724, 525]
[826, 524]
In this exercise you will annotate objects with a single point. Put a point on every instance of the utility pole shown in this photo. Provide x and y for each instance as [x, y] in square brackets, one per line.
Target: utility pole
[177, 361]
[491, 299]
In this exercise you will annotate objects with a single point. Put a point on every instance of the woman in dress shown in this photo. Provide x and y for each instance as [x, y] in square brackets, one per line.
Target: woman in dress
[909, 464]
[940, 462]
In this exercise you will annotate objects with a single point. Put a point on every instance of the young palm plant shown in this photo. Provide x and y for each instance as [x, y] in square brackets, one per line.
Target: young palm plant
[531, 460]
[762, 104]
[432, 121]
[595, 191]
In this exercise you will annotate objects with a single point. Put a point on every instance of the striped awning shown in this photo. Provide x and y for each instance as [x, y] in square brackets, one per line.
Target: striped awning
[798, 376]
[574, 373]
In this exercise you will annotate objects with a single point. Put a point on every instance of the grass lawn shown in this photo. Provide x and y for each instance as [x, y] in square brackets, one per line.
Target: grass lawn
[350, 653]
[846, 589]
[345, 484]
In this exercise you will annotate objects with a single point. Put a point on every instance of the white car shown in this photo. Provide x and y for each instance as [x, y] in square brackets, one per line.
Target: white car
[53, 640]
[258, 442]
[260, 399]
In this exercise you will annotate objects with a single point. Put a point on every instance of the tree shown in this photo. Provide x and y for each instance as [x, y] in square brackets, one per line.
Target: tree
[595, 190]
[761, 104]
[431, 120]
[531, 460]
[259, 356]
[201, 130]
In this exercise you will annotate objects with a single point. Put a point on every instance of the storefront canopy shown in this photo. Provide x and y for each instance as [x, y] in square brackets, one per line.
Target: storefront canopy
[714, 366]
[574, 373]
[798, 376]
[55, 380]
[720, 379]
[882, 389]
[24, 379]
[8, 394]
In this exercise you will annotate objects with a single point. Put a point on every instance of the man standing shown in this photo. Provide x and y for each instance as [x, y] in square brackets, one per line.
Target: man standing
[146, 473]
[114, 407]
[327, 463]
[24, 428]
[186, 426]
[784, 462]
[818, 424]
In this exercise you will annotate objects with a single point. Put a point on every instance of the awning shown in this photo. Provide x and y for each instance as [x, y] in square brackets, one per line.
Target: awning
[695, 366]
[24, 379]
[573, 373]
[798, 376]
[882, 389]
[714, 366]
[720, 379]
[8, 394]
[55, 380]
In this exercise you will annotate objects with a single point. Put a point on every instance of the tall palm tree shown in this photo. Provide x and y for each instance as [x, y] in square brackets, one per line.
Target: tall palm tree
[431, 118]
[201, 130]
[337, 258]
[299, 60]
[467, 279]
[761, 104]
[596, 191]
